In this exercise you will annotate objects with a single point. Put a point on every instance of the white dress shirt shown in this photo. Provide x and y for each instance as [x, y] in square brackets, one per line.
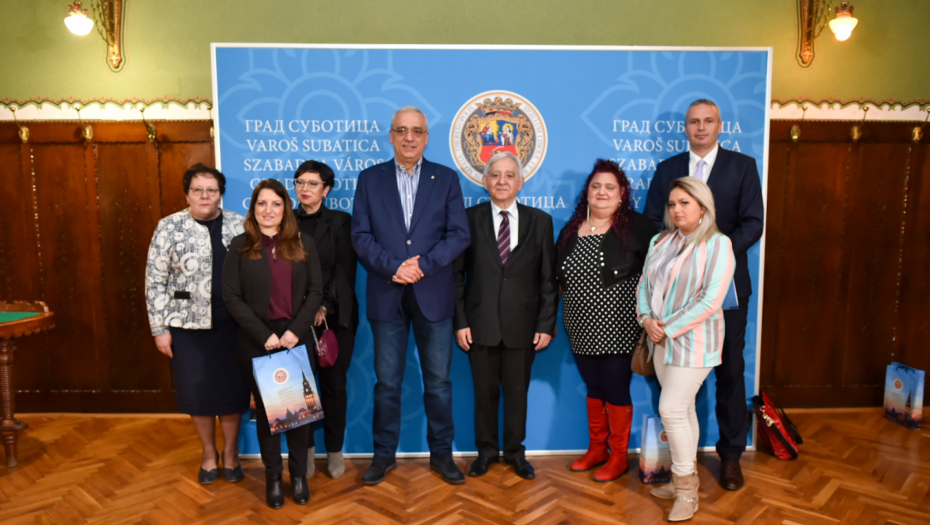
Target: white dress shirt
[709, 160]
[514, 222]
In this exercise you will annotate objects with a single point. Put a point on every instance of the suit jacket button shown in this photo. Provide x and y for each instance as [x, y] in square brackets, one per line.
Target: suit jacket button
[409, 241]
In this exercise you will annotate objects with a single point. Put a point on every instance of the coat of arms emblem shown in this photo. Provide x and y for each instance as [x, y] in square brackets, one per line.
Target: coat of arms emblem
[497, 121]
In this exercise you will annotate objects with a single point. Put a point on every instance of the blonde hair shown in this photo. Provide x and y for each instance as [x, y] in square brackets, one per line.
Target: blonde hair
[699, 191]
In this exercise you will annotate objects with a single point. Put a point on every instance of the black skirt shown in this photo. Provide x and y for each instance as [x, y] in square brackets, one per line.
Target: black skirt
[207, 378]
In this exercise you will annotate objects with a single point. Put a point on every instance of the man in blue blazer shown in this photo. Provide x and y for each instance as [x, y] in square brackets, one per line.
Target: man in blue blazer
[737, 190]
[408, 227]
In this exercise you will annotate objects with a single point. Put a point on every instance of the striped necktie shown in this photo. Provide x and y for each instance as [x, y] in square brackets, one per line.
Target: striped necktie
[503, 238]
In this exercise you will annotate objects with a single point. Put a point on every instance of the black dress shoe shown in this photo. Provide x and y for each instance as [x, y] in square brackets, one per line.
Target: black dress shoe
[379, 468]
[731, 475]
[301, 491]
[523, 468]
[205, 477]
[480, 466]
[233, 475]
[445, 465]
[274, 492]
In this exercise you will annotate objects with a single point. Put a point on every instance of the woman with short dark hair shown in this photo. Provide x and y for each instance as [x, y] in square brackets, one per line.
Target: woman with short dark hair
[331, 230]
[272, 285]
[189, 319]
[600, 256]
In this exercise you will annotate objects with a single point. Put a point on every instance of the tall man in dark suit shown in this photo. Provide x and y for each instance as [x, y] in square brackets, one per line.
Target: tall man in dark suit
[408, 227]
[734, 181]
[505, 309]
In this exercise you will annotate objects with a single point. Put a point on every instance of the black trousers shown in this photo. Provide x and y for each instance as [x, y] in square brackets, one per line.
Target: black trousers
[333, 394]
[731, 385]
[607, 377]
[298, 439]
[494, 369]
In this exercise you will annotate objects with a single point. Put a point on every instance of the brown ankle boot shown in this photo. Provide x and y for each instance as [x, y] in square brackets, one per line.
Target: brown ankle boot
[597, 433]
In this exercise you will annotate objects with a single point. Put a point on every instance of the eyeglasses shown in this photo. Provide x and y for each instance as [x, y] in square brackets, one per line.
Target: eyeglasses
[212, 192]
[417, 132]
[311, 184]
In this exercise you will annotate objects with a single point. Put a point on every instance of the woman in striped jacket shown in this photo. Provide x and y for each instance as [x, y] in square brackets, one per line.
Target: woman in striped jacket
[686, 277]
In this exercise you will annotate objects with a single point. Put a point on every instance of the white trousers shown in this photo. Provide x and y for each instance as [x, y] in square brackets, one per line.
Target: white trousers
[680, 385]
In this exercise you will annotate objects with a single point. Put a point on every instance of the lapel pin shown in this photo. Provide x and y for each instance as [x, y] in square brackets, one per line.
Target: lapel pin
[433, 177]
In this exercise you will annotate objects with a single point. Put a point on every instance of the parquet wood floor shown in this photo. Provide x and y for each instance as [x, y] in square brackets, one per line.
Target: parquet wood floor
[855, 467]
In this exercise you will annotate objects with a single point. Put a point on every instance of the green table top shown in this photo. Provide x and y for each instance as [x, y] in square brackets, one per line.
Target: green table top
[6, 317]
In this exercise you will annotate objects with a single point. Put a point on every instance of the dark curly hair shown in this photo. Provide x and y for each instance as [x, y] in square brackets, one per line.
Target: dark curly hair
[621, 219]
[203, 171]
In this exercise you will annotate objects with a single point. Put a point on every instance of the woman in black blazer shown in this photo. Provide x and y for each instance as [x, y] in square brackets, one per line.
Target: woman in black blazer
[601, 252]
[331, 230]
[272, 286]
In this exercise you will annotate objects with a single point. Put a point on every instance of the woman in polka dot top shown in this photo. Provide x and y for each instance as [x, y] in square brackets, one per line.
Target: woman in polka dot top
[601, 251]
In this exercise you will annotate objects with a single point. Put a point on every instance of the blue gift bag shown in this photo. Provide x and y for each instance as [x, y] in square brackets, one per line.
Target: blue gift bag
[904, 395]
[288, 388]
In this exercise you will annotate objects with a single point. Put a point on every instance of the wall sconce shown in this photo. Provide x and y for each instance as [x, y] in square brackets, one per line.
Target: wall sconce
[108, 15]
[813, 17]
[844, 23]
[77, 20]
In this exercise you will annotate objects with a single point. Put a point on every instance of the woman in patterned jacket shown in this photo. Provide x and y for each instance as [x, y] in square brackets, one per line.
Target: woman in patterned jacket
[190, 323]
[687, 274]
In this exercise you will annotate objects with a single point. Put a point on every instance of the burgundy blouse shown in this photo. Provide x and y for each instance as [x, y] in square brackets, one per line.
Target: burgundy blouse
[279, 307]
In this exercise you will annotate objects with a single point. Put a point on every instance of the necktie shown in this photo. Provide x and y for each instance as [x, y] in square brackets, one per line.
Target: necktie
[699, 171]
[503, 238]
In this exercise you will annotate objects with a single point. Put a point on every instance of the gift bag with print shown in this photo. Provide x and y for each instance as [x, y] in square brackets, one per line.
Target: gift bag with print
[288, 388]
[655, 458]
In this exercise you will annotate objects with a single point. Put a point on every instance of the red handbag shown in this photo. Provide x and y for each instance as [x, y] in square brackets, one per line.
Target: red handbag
[327, 348]
[775, 428]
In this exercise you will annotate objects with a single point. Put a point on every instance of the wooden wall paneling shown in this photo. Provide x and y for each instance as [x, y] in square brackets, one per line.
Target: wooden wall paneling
[780, 165]
[70, 252]
[808, 269]
[19, 260]
[876, 206]
[914, 304]
[846, 264]
[129, 207]
[20, 264]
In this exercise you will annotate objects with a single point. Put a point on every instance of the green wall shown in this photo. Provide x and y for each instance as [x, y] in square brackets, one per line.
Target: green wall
[167, 41]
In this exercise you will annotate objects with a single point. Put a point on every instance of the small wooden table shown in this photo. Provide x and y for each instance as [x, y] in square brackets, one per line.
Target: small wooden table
[17, 318]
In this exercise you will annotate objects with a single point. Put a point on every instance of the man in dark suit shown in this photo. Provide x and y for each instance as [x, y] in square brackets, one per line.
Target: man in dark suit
[408, 227]
[505, 309]
[737, 190]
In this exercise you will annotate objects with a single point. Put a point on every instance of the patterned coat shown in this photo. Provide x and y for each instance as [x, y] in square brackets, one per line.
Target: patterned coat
[693, 316]
[180, 259]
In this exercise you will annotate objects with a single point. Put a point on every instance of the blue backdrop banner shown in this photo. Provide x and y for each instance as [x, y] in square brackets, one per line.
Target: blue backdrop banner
[559, 108]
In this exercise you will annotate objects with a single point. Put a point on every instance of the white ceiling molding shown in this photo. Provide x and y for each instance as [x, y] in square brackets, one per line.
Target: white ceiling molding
[107, 110]
[886, 111]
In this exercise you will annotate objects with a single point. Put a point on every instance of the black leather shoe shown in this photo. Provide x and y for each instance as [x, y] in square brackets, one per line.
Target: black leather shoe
[301, 491]
[274, 492]
[233, 475]
[523, 468]
[205, 477]
[379, 468]
[445, 465]
[731, 475]
[480, 466]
